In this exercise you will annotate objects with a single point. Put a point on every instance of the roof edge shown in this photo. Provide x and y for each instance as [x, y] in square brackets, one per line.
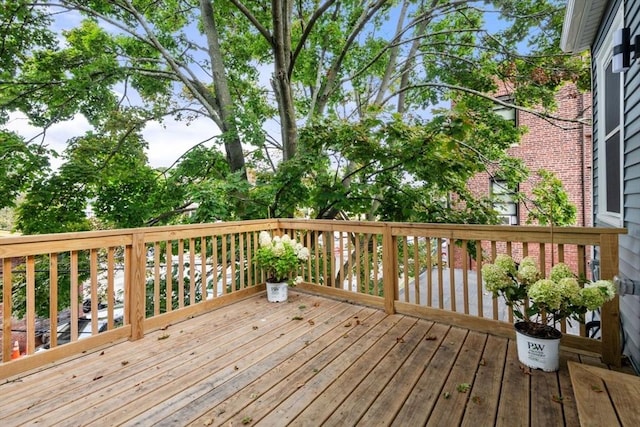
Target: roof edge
[573, 26]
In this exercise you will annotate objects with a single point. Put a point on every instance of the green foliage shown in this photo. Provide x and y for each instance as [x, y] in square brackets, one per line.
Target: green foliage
[20, 164]
[392, 123]
[551, 202]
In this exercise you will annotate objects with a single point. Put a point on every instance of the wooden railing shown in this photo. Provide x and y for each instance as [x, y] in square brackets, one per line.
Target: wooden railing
[144, 279]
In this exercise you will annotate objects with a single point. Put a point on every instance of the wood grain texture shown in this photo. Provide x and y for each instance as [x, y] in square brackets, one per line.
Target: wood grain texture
[309, 361]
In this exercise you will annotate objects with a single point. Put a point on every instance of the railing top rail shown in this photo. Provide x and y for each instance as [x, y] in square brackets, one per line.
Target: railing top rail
[177, 230]
[576, 235]
[45, 243]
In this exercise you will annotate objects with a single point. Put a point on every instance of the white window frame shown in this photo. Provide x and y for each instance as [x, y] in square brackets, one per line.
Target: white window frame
[504, 202]
[603, 58]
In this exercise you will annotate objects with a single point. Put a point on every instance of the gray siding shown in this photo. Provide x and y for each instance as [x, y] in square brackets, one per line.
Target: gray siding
[629, 243]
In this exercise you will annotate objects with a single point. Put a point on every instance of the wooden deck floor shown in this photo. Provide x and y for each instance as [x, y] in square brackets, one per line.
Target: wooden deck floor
[311, 361]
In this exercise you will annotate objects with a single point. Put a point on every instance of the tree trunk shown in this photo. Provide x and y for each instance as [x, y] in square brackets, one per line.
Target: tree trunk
[281, 81]
[224, 102]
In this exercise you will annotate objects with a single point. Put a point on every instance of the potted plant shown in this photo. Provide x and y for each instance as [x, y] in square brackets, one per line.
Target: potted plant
[551, 300]
[279, 257]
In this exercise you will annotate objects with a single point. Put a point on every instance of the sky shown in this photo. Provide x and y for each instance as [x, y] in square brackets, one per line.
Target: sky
[167, 141]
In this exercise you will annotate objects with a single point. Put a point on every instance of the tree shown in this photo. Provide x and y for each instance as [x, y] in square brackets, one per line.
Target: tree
[334, 64]
[382, 109]
[551, 205]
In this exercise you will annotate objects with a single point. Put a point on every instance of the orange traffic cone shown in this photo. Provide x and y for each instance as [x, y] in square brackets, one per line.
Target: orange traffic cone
[16, 351]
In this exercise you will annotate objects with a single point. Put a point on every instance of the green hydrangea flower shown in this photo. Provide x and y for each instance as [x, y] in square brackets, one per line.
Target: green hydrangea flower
[495, 278]
[546, 293]
[506, 263]
[529, 261]
[528, 273]
[570, 291]
[560, 271]
[597, 293]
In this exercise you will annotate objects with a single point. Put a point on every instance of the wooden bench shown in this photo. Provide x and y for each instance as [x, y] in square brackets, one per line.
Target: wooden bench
[604, 397]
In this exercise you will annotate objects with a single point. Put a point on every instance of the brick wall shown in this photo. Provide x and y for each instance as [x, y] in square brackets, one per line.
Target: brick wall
[560, 147]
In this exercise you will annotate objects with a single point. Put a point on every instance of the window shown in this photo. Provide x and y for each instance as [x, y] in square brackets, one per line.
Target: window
[507, 113]
[610, 130]
[504, 202]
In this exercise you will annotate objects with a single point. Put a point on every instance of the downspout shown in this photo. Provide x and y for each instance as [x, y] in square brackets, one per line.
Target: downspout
[581, 140]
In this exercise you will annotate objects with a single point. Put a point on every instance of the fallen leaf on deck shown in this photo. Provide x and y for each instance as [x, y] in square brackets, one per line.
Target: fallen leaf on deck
[463, 388]
[163, 337]
[482, 362]
[296, 318]
[557, 399]
[346, 325]
[311, 322]
[596, 388]
[399, 340]
[431, 338]
[207, 422]
[97, 377]
[124, 362]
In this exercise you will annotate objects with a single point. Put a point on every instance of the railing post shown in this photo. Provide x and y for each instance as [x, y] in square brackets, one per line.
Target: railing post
[389, 269]
[136, 289]
[610, 313]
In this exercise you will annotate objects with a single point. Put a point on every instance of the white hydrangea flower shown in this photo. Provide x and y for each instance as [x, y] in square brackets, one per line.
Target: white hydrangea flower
[265, 238]
[303, 253]
[278, 248]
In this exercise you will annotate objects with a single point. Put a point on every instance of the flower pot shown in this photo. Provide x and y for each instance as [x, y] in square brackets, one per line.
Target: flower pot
[538, 347]
[277, 292]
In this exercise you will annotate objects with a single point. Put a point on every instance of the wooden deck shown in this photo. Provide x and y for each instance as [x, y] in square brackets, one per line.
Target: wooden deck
[309, 361]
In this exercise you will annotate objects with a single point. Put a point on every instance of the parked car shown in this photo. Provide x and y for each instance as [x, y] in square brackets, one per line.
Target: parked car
[84, 323]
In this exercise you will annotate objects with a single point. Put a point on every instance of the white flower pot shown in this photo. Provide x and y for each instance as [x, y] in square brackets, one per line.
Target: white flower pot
[277, 292]
[538, 352]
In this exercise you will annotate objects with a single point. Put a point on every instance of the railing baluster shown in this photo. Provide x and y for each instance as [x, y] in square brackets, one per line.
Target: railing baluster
[74, 283]
[31, 304]
[111, 299]
[53, 299]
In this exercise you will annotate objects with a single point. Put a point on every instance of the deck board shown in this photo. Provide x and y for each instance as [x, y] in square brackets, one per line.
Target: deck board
[485, 394]
[449, 410]
[306, 362]
[605, 397]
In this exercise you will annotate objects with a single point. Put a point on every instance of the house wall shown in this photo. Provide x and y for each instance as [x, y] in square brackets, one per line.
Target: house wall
[563, 148]
[629, 250]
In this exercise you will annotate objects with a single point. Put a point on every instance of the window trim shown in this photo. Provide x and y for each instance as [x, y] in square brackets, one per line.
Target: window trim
[508, 193]
[603, 58]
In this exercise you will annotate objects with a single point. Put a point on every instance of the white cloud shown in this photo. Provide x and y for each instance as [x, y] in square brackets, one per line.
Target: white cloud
[167, 141]
[170, 140]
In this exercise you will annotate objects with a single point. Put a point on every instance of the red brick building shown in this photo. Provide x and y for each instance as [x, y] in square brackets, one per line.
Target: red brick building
[560, 147]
